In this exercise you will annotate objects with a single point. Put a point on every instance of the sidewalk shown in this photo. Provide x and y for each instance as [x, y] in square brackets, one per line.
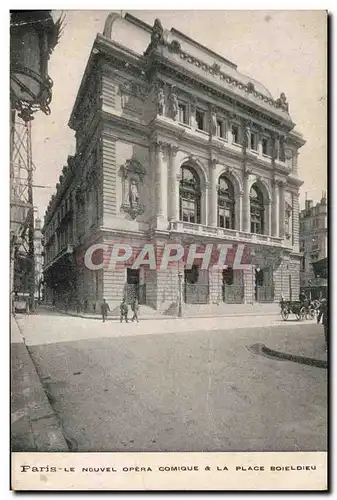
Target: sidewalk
[34, 425]
[211, 311]
[292, 348]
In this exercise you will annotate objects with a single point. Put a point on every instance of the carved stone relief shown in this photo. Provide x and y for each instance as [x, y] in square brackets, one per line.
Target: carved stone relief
[133, 174]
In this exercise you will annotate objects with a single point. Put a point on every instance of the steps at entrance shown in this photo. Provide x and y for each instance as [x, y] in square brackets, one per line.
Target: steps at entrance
[147, 312]
[195, 310]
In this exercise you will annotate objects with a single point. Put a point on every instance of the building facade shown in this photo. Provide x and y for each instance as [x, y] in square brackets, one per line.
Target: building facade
[314, 246]
[174, 144]
[38, 256]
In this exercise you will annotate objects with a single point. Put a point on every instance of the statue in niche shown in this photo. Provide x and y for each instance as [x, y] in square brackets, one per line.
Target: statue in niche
[213, 123]
[174, 104]
[134, 194]
[282, 155]
[247, 135]
[132, 174]
[161, 101]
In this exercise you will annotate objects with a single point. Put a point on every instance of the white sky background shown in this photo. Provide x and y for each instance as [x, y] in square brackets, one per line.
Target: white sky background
[284, 50]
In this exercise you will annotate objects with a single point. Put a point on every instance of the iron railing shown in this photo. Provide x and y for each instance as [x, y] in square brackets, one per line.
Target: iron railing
[264, 293]
[196, 294]
[233, 294]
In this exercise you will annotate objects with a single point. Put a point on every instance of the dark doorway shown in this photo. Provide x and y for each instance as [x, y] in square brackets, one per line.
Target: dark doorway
[196, 287]
[264, 290]
[132, 276]
[132, 284]
[134, 288]
[232, 287]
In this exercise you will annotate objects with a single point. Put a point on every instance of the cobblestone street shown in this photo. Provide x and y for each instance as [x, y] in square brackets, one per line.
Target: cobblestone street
[171, 386]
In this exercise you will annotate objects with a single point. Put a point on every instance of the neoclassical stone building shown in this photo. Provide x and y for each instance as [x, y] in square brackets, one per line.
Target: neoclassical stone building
[174, 144]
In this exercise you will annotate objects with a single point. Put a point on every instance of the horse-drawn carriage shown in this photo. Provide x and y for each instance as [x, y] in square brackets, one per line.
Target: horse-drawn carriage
[301, 310]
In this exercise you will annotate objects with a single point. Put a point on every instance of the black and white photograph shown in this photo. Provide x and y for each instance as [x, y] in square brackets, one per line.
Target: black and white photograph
[169, 295]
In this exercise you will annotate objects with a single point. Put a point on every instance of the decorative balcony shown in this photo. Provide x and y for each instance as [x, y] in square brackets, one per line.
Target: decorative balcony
[223, 233]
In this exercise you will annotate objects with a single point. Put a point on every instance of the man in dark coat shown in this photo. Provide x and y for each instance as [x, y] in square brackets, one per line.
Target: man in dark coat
[135, 309]
[124, 310]
[104, 310]
[323, 313]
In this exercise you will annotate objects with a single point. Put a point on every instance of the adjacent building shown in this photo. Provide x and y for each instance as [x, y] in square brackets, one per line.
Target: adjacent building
[38, 256]
[174, 144]
[314, 247]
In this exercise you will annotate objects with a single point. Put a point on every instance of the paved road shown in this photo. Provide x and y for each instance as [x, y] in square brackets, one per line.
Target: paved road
[189, 391]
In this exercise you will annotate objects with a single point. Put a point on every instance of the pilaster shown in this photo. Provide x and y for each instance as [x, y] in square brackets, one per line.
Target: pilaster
[281, 209]
[246, 204]
[213, 196]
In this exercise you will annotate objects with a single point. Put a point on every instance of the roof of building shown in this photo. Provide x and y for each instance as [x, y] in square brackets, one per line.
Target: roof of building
[135, 34]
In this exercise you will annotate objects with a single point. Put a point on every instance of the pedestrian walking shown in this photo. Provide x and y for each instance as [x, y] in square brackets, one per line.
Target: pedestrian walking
[135, 310]
[323, 314]
[104, 310]
[124, 310]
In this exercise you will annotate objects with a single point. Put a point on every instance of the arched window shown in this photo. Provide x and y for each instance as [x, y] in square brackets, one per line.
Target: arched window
[190, 196]
[256, 210]
[226, 202]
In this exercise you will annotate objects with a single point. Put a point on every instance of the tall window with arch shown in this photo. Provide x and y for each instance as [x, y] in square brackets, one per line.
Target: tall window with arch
[190, 195]
[226, 203]
[256, 210]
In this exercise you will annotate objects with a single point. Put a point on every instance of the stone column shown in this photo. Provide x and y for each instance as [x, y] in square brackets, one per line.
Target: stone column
[161, 183]
[281, 209]
[213, 196]
[173, 185]
[246, 204]
[269, 216]
[274, 210]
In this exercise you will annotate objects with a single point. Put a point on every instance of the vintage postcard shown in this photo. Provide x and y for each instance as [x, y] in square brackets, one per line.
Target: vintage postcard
[168, 239]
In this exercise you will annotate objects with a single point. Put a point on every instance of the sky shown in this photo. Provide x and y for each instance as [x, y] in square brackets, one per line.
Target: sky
[284, 50]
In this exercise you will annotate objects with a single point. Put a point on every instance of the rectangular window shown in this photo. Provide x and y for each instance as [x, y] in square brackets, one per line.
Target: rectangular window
[189, 211]
[225, 218]
[200, 119]
[253, 141]
[220, 128]
[235, 133]
[182, 113]
[266, 146]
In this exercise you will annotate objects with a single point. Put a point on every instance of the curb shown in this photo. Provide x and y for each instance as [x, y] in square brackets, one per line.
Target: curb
[163, 317]
[319, 363]
[45, 426]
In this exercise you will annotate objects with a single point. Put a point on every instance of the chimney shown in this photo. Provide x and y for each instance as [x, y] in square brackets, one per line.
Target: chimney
[308, 204]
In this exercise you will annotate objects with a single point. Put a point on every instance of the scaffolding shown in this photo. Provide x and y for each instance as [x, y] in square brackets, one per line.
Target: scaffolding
[21, 208]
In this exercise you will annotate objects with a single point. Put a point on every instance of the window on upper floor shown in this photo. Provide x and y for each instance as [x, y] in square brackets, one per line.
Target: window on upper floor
[220, 128]
[256, 210]
[235, 133]
[182, 113]
[266, 146]
[200, 119]
[253, 141]
[302, 263]
[226, 203]
[190, 195]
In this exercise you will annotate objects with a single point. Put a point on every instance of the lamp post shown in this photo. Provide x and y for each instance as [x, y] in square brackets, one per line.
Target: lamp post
[180, 276]
[33, 37]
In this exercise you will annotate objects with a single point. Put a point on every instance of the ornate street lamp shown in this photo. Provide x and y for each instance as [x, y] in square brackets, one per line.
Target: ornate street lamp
[33, 37]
